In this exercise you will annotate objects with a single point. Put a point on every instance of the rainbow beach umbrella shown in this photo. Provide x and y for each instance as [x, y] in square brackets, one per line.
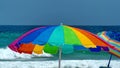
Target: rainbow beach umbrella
[62, 38]
[112, 38]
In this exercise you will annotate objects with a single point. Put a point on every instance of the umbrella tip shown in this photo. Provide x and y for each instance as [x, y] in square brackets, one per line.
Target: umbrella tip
[61, 23]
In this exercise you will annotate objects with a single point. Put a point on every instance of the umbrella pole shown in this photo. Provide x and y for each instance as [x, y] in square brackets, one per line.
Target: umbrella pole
[60, 51]
[109, 61]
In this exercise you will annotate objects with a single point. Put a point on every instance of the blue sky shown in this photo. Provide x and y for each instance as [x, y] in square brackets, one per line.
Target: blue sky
[53, 12]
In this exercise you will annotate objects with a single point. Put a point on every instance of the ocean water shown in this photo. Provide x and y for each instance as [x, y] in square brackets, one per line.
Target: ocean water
[9, 33]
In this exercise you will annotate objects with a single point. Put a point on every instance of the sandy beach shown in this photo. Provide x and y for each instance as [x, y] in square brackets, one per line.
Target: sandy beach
[54, 64]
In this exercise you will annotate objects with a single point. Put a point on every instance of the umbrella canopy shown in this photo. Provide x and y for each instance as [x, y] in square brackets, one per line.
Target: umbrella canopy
[114, 39]
[50, 38]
